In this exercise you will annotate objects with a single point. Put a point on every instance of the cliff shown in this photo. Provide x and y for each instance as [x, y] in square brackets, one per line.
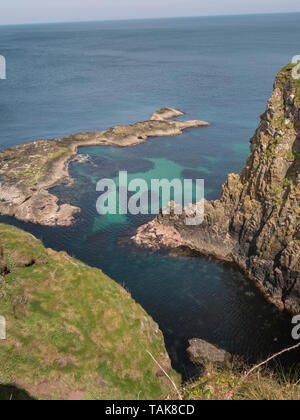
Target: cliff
[255, 223]
[71, 332]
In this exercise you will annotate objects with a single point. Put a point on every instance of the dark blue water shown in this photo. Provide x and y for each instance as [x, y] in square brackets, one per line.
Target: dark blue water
[66, 78]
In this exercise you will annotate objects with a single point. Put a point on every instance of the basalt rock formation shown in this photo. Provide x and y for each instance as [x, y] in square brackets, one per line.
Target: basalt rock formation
[255, 223]
[28, 171]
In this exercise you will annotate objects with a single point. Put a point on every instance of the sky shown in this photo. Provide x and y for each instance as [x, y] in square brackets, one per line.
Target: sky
[35, 11]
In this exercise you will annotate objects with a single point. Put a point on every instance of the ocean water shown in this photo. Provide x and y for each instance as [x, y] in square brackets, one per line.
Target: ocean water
[66, 78]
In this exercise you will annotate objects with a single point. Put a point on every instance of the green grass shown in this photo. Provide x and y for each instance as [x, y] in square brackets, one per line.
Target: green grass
[71, 328]
[291, 156]
[216, 383]
[286, 74]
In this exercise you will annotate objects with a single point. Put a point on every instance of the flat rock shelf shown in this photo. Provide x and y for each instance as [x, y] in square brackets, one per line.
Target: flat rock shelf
[28, 171]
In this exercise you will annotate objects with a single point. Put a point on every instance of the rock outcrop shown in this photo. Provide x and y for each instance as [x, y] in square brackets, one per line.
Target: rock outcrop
[255, 223]
[201, 352]
[166, 114]
[28, 171]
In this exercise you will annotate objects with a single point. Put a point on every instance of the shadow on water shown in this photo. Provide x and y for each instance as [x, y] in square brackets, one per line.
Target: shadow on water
[12, 393]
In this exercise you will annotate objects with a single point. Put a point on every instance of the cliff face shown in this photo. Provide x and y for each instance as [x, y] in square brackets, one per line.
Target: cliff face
[255, 223]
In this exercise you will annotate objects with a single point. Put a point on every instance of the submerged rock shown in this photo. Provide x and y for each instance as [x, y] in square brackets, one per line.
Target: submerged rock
[201, 352]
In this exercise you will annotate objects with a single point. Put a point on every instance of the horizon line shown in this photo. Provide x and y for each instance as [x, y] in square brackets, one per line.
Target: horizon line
[148, 18]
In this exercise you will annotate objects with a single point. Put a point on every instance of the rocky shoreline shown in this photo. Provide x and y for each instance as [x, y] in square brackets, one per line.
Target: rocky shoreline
[27, 172]
[256, 222]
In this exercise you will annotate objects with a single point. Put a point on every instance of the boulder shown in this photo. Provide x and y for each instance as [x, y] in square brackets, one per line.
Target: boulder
[201, 352]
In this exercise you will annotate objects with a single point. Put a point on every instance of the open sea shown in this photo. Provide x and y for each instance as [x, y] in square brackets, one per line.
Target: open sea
[73, 77]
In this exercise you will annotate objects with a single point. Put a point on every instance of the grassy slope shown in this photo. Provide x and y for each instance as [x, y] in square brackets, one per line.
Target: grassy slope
[71, 331]
[229, 383]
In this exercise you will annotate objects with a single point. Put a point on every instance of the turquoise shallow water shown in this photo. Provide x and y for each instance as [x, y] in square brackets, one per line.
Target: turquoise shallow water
[67, 78]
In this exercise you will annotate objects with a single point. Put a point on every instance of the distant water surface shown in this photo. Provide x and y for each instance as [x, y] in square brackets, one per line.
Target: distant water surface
[66, 78]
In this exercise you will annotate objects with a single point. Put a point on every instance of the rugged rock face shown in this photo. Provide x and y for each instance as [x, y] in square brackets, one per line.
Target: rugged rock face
[255, 223]
[28, 171]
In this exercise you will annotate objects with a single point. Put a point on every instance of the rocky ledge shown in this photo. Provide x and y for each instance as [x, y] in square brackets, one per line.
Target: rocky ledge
[201, 352]
[28, 171]
[255, 223]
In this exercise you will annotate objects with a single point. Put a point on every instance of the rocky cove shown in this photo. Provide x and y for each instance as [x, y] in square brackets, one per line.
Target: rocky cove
[73, 332]
[50, 221]
[255, 223]
[166, 235]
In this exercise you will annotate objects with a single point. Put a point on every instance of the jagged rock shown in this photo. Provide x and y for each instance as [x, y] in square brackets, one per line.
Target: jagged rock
[82, 158]
[255, 223]
[166, 113]
[201, 352]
